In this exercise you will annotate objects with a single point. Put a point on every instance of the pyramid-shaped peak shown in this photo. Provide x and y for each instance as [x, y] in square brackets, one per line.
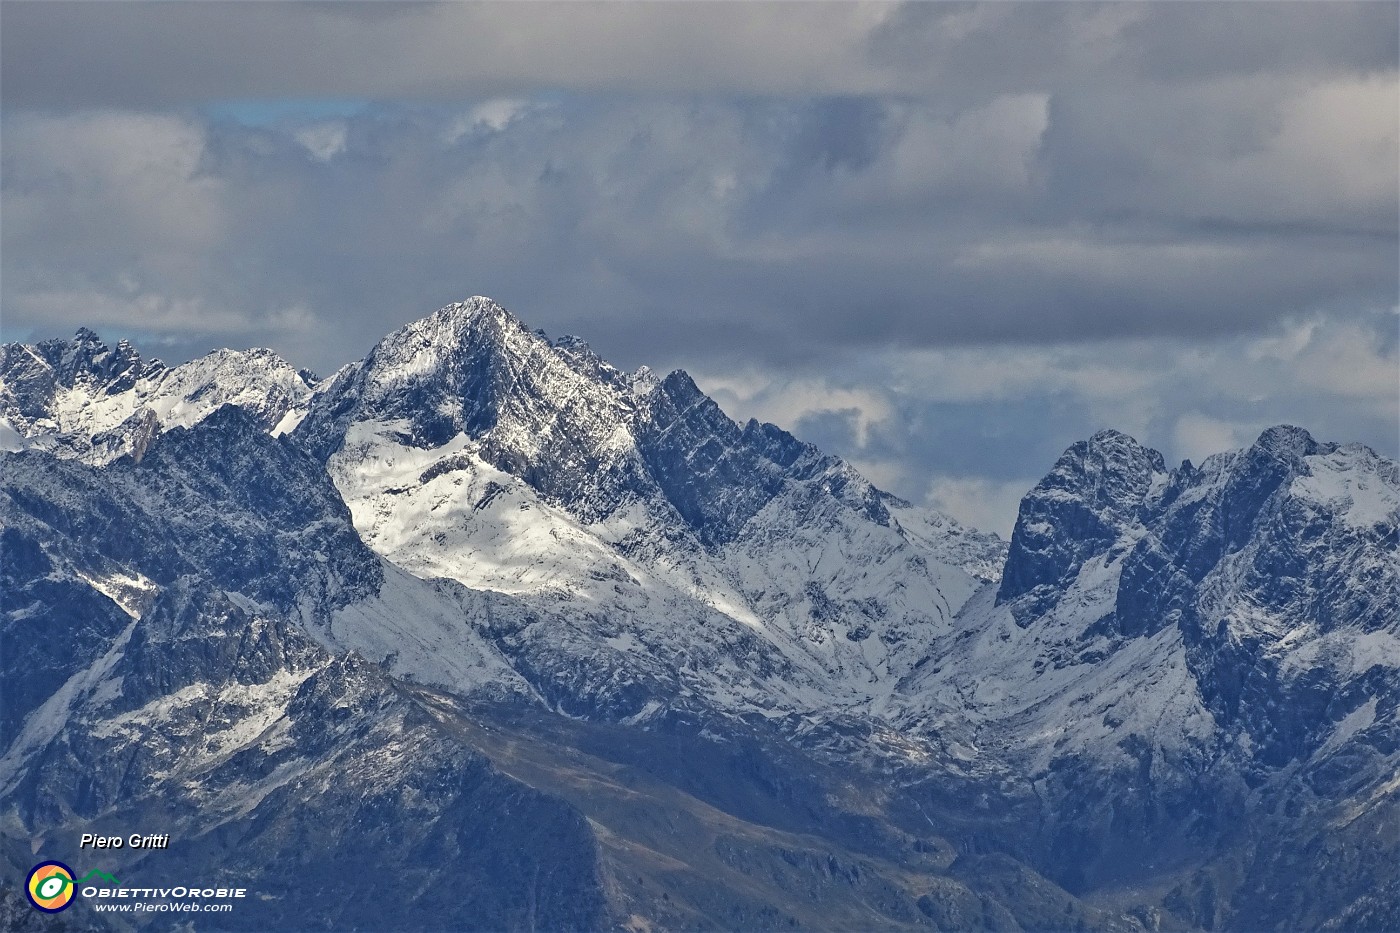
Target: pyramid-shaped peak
[476, 320]
[479, 321]
[1286, 442]
[475, 308]
[1111, 452]
[679, 383]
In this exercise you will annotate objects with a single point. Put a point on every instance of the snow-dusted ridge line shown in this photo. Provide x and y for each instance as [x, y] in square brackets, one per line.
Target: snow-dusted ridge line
[82, 399]
[600, 528]
[1172, 657]
[1192, 623]
[469, 446]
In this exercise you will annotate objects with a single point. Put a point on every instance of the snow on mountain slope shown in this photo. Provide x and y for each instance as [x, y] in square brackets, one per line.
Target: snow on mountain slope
[205, 707]
[1205, 642]
[196, 609]
[1354, 483]
[1224, 589]
[220, 540]
[82, 399]
[1032, 694]
[223, 501]
[1033, 665]
[428, 630]
[445, 513]
[1279, 558]
[470, 447]
[856, 595]
[1184, 682]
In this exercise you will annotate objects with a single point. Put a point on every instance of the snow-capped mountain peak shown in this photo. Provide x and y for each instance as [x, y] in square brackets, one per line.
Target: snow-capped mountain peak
[83, 399]
[1093, 493]
[1176, 666]
[1224, 628]
[470, 446]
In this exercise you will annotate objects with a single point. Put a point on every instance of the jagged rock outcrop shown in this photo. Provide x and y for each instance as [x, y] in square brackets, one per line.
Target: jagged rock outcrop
[1170, 658]
[733, 684]
[469, 446]
[1093, 494]
[82, 399]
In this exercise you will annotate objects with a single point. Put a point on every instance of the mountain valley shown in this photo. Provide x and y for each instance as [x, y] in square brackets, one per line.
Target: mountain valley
[481, 632]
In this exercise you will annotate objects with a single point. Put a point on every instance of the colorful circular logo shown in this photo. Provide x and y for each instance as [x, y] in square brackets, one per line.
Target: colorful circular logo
[50, 886]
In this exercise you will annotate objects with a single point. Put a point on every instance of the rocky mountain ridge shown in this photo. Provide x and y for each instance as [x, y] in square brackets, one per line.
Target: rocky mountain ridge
[1174, 706]
[1203, 645]
[85, 400]
[470, 447]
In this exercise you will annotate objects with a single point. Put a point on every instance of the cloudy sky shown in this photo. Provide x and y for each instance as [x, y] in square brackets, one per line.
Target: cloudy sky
[942, 240]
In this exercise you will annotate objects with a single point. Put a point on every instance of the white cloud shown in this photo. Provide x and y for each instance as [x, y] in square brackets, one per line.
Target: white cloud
[988, 148]
[1333, 155]
[1197, 436]
[984, 420]
[987, 505]
[444, 51]
[324, 141]
[491, 115]
[1019, 225]
[110, 180]
[149, 312]
[787, 402]
[1341, 358]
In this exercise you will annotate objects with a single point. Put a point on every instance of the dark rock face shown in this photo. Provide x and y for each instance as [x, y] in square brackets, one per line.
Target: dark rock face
[441, 376]
[540, 412]
[52, 629]
[31, 379]
[551, 414]
[208, 500]
[1094, 493]
[716, 474]
[34, 375]
[1270, 579]
[202, 707]
[1234, 535]
[192, 702]
[87, 358]
[1215, 647]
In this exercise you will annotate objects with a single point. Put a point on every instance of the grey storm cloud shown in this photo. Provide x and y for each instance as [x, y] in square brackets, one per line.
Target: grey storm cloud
[148, 54]
[157, 54]
[812, 207]
[978, 48]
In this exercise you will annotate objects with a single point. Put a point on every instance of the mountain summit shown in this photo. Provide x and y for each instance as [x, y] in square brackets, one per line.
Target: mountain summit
[471, 447]
[575, 643]
[83, 399]
[1189, 650]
